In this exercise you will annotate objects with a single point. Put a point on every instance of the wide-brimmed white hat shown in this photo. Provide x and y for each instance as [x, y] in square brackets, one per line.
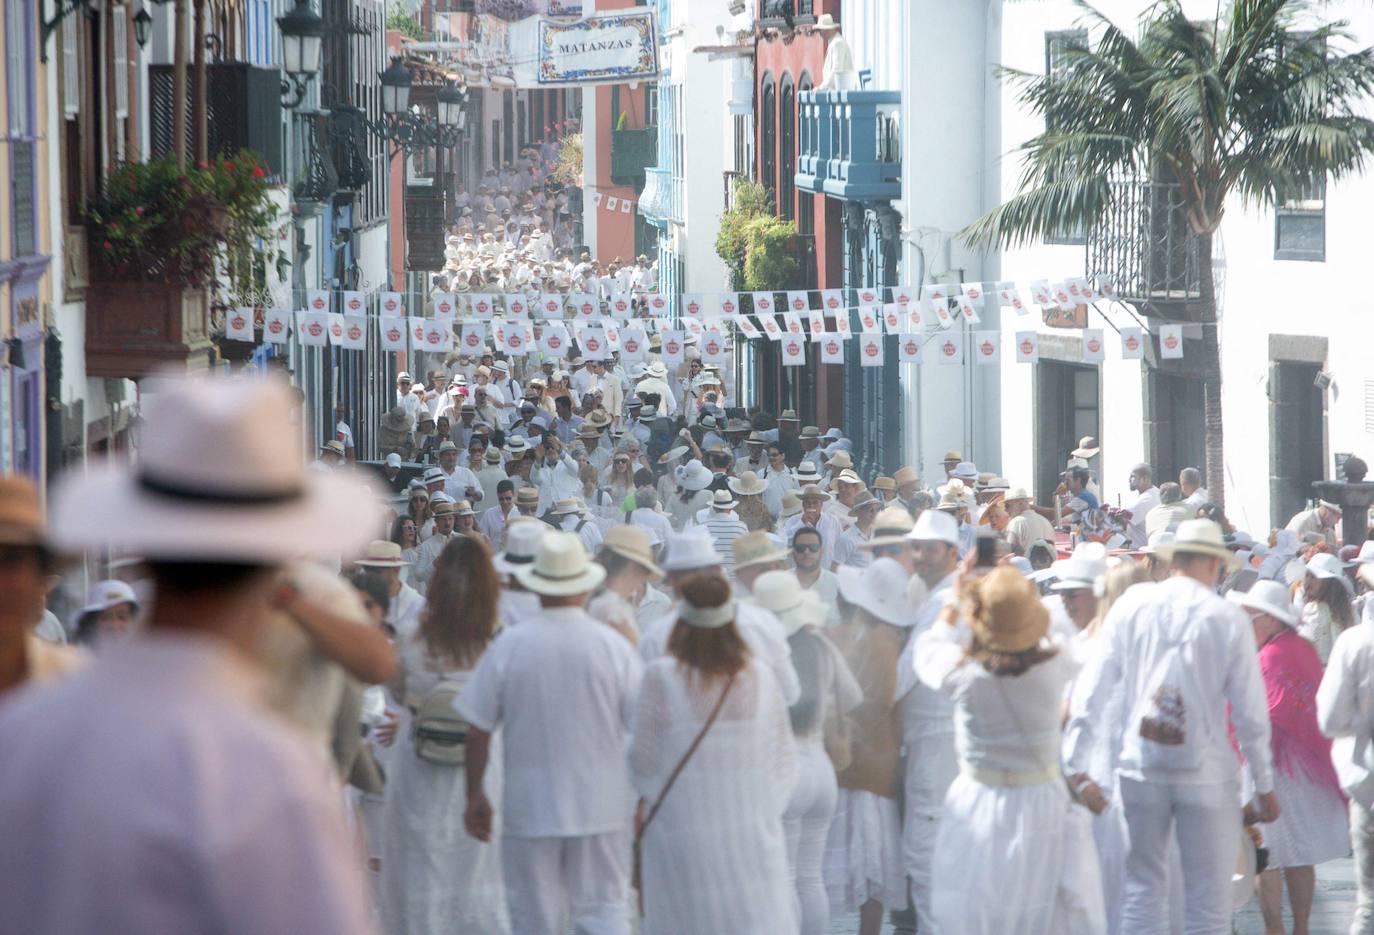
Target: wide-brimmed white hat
[748, 484]
[690, 550]
[220, 477]
[781, 594]
[885, 589]
[567, 506]
[1082, 569]
[672, 454]
[106, 594]
[1325, 565]
[693, 476]
[934, 526]
[561, 567]
[382, 554]
[523, 536]
[1088, 447]
[1199, 537]
[1268, 597]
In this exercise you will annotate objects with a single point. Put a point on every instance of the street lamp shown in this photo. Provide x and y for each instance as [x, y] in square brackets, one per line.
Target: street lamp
[452, 102]
[302, 39]
[409, 128]
[143, 22]
[395, 89]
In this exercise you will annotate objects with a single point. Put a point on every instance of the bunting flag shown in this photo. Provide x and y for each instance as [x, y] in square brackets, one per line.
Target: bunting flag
[238, 324]
[438, 337]
[968, 310]
[747, 326]
[763, 302]
[842, 324]
[793, 351]
[868, 296]
[909, 348]
[816, 323]
[317, 301]
[515, 343]
[728, 304]
[1171, 341]
[870, 320]
[354, 303]
[658, 304]
[941, 309]
[481, 306]
[892, 318]
[987, 346]
[798, 301]
[474, 336]
[673, 347]
[973, 292]
[1027, 347]
[592, 339]
[713, 347]
[634, 344]
[832, 300]
[1132, 344]
[871, 350]
[612, 336]
[391, 304]
[1094, 347]
[276, 325]
[950, 348]
[904, 296]
[792, 323]
[517, 306]
[554, 340]
[621, 305]
[417, 331]
[313, 327]
[445, 306]
[392, 331]
[354, 333]
[550, 306]
[832, 348]
[336, 328]
[693, 305]
[771, 326]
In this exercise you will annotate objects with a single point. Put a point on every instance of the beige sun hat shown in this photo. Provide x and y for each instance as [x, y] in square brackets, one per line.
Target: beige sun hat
[841, 460]
[757, 548]
[748, 484]
[812, 492]
[21, 515]
[561, 567]
[791, 504]
[889, 528]
[1199, 537]
[1005, 612]
[906, 475]
[382, 554]
[865, 500]
[632, 543]
[887, 484]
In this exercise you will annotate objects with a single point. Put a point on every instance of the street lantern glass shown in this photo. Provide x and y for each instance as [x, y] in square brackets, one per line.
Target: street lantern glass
[302, 36]
[395, 89]
[450, 104]
[143, 24]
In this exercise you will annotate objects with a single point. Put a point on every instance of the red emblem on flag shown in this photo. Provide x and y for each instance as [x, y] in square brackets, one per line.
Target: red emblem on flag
[593, 344]
[986, 348]
[555, 342]
[318, 303]
[871, 348]
[354, 304]
[1027, 348]
[911, 348]
[237, 322]
[433, 337]
[472, 340]
[832, 347]
[315, 329]
[799, 303]
[693, 308]
[833, 302]
[1131, 342]
[672, 347]
[274, 326]
[393, 334]
[354, 332]
[1094, 345]
[948, 349]
[1171, 342]
[631, 345]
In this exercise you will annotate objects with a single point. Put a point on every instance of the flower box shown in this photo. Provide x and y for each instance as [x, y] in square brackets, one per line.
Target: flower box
[135, 328]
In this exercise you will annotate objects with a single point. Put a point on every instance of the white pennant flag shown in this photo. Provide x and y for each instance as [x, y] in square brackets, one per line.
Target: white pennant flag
[842, 324]
[915, 317]
[748, 327]
[987, 346]
[1171, 342]
[797, 301]
[596, 199]
[445, 306]
[950, 347]
[355, 332]
[728, 304]
[626, 206]
[658, 303]
[316, 301]
[592, 338]
[713, 347]
[551, 305]
[904, 296]
[793, 351]
[1105, 287]
[238, 324]
[276, 324]
[554, 342]
[871, 350]
[634, 344]
[942, 316]
[1040, 292]
[417, 331]
[694, 327]
[869, 296]
[393, 334]
[1132, 344]
[621, 305]
[438, 337]
[612, 202]
[968, 310]
[1018, 303]
[832, 348]
[517, 307]
[892, 318]
[816, 323]
[973, 291]
[771, 327]
[763, 302]
[870, 320]
[354, 303]
[390, 304]
[1027, 347]
[516, 343]
[909, 348]
[937, 292]
[584, 305]
[673, 346]
[832, 300]
[1078, 289]
[1060, 293]
[336, 329]
[482, 306]
[313, 328]
[1094, 347]
[474, 336]
[792, 321]
[692, 305]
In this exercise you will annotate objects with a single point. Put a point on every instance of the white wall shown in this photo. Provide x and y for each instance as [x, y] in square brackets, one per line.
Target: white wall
[374, 255]
[703, 89]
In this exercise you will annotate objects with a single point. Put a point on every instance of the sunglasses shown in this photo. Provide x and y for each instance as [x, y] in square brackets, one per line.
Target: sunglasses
[622, 460]
[889, 549]
[807, 547]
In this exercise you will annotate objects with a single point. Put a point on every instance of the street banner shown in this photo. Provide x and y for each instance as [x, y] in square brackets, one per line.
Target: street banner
[391, 304]
[748, 327]
[472, 339]
[798, 301]
[987, 347]
[892, 318]
[1040, 291]
[438, 337]
[909, 348]
[842, 324]
[694, 327]
[973, 291]
[515, 344]
[621, 305]
[336, 329]
[592, 340]
[1027, 347]
[1171, 342]
[614, 48]
[1105, 287]
[816, 323]
[793, 323]
[517, 306]
[550, 306]
[417, 331]
[904, 296]
[871, 350]
[481, 306]
[937, 292]
[870, 320]
[1094, 347]
[950, 348]
[941, 309]
[354, 303]
[713, 347]
[634, 344]
[445, 306]
[672, 347]
[355, 332]
[276, 324]
[316, 301]
[584, 305]
[832, 348]
[313, 328]
[612, 202]
[658, 304]
[393, 334]
[554, 340]
[832, 300]
[793, 351]
[693, 305]
[612, 330]
[728, 304]
[968, 310]
[238, 324]
[763, 302]
[916, 316]
[869, 296]
[771, 326]
[1132, 343]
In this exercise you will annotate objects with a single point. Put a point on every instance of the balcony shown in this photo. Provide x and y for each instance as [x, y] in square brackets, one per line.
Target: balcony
[785, 10]
[658, 201]
[850, 144]
[632, 151]
[1143, 245]
[243, 110]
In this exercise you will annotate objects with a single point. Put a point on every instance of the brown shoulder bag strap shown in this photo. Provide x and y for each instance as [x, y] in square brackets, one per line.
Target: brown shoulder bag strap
[677, 770]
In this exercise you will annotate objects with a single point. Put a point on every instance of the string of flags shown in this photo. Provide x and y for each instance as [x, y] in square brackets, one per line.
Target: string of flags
[923, 322]
[612, 203]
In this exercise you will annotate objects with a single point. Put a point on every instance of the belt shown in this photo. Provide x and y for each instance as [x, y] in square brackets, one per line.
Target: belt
[1010, 777]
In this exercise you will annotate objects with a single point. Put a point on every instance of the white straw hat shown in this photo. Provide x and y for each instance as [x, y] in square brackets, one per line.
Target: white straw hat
[934, 526]
[561, 568]
[1082, 569]
[781, 594]
[220, 477]
[1325, 565]
[1268, 597]
[690, 550]
[693, 476]
[1199, 537]
[106, 594]
[523, 537]
[884, 589]
[382, 554]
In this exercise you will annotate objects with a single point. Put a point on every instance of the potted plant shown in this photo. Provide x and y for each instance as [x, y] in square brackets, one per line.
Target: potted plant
[158, 235]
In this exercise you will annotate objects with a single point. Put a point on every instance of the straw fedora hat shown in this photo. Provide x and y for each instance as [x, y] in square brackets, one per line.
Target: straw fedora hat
[382, 554]
[865, 501]
[220, 477]
[840, 460]
[567, 506]
[1199, 537]
[748, 484]
[757, 548]
[561, 567]
[885, 484]
[906, 475]
[812, 492]
[722, 500]
[444, 507]
[527, 495]
[632, 543]
[890, 528]
[598, 418]
[1267, 597]
[825, 23]
[781, 594]
[1005, 612]
[523, 536]
[810, 431]
[21, 516]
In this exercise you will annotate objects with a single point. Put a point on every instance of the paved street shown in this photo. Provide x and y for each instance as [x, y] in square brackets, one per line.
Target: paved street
[1331, 911]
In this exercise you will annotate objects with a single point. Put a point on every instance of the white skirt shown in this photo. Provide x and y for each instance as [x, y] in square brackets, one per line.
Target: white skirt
[1313, 825]
[1015, 859]
[863, 853]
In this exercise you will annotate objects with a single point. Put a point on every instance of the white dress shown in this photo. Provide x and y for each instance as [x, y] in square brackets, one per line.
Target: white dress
[714, 859]
[435, 879]
[1008, 858]
[1316, 626]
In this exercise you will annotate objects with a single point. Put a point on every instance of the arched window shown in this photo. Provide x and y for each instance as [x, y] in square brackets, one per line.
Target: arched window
[768, 137]
[787, 142]
[806, 202]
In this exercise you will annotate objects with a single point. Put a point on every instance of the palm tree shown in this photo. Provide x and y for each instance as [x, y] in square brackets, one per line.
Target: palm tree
[1258, 103]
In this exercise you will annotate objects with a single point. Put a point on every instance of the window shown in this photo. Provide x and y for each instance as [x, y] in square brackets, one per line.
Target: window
[768, 137]
[18, 71]
[119, 38]
[651, 105]
[806, 202]
[787, 143]
[1300, 226]
[71, 64]
[744, 145]
[1057, 44]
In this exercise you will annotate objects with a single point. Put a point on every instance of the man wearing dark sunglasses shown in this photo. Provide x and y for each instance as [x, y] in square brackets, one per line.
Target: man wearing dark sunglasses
[806, 557]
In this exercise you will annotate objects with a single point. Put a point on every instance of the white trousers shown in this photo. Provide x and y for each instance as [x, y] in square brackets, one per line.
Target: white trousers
[550, 880]
[1362, 844]
[931, 766]
[1206, 821]
[807, 822]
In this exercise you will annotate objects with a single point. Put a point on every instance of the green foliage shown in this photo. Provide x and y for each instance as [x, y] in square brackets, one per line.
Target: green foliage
[1255, 102]
[755, 244]
[567, 169]
[155, 221]
[622, 121]
[401, 21]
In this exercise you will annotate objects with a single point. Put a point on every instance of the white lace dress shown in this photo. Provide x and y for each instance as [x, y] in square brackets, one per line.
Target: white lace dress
[435, 879]
[715, 857]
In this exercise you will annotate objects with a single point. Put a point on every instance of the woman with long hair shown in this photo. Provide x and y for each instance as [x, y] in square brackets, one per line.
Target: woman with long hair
[419, 510]
[628, 559]
[618, 479]
[1009, 855]
[406, 534]
[435, 878]
[714, 855]
[693, 493]
[1325, 601]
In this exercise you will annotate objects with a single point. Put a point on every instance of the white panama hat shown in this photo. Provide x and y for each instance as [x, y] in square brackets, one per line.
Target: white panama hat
[561, 567]
[1199, 537]
[934, 526]
[1325, 565]
[523, 537]
[884, 589]
[690, 550]
[1268, 597]
[781, 594]
[220, 477]
[1082, 569]
[106, 594]
[382, 553]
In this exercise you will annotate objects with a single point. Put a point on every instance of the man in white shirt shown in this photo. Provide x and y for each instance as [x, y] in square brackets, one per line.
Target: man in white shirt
[459, 482]
[1181, 655]
[1194, 494]
[1026, 525]
[571, 516]
[495, 519]
[403, 613]
[1317, 524]
[562, 687]
[1144, 497]
[490, 477]
[445, 515]
[805, 544]
[813, 500]
[850, 549]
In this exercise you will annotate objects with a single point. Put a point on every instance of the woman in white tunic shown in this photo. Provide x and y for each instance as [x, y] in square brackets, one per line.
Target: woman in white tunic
[714, 855]
[1009, 856]
[435, 879]
[1325, 602]
[629, 562]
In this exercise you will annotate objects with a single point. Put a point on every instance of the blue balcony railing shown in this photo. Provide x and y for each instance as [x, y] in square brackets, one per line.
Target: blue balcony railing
[850, 144]
[656, 201]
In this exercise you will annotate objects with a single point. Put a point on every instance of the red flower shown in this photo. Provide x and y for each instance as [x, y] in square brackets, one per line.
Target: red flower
[202, 164]
[108, 246]
[138, 211]
[257, 170]
[229, 167]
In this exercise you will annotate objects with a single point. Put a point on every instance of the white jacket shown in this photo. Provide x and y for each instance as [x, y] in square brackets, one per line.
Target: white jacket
[1345, 709]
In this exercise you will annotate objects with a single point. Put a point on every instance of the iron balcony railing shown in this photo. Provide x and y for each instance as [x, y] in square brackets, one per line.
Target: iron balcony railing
[633, 151]
[1143, 245]
[850, 144]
